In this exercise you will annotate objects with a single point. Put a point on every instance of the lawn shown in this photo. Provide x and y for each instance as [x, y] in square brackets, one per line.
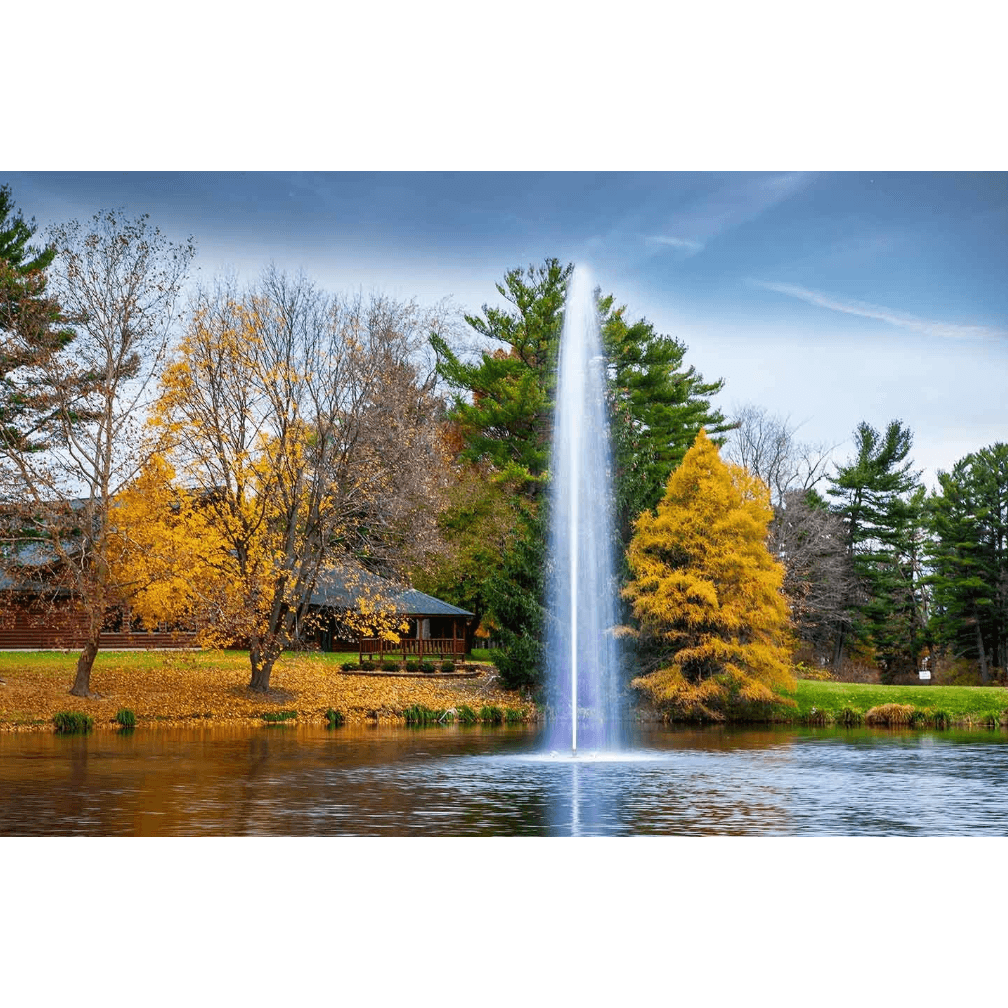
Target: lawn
[186, 686]
[972, 704]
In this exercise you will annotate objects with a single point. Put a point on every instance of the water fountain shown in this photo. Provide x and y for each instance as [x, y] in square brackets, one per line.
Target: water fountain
[582, 654]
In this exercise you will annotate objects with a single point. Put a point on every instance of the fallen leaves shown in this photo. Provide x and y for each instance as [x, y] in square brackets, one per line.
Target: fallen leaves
[212, 686]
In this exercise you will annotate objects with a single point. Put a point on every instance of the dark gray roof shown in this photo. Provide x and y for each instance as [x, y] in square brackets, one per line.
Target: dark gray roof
[343, 591]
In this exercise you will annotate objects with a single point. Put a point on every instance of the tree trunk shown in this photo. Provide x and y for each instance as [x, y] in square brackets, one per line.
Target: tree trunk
[262, 660]
[838, 649]
[82, 680]
[984, 675]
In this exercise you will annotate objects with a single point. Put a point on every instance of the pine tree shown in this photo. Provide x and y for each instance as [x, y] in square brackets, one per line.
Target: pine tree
[706, 593]
[32, 329]
[502, 411]
[882, 515]
[969, 555]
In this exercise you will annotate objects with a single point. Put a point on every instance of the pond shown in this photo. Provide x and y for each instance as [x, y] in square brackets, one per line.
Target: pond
[382, 781]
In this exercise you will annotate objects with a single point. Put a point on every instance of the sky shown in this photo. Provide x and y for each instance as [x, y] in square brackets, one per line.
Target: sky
[827, 298]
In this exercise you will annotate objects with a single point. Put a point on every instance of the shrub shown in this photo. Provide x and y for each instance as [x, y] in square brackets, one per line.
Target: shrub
[426, 666]
[491, 715]
[418, 714]
[512, 716]
[412, 665]
[367, 666]
[349, 666]
[849, 717]
[274, 717]
[389, 666]
[939, 718]
[334, 718]
[818, 717]
[803, 671]
[72, 722]
[466, 715]
[918, 718]
[889, 715]
[447, 665]
[125, 718]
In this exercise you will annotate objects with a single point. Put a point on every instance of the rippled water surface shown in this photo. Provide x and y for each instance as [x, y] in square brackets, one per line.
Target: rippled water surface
[471, 782]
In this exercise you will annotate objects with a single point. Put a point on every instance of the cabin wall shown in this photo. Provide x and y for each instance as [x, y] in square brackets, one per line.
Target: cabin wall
[37, 624]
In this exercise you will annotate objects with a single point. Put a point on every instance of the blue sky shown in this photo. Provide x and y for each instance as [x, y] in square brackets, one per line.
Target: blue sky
[829, 298]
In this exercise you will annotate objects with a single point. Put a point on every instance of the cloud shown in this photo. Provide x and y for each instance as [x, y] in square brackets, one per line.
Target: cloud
[686, 244]
[945, 330]
[742, 198]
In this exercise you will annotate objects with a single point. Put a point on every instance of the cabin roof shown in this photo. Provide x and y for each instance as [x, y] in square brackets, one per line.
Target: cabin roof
[346, 591]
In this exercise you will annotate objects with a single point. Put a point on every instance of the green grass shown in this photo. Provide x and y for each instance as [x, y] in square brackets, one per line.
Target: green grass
[963, 703]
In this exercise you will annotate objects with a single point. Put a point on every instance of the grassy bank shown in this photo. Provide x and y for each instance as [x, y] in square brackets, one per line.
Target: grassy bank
[182, 687]
[828, 701]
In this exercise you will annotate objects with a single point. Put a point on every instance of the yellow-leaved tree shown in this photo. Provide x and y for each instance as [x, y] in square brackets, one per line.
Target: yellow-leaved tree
[300, 441]
[712, 622]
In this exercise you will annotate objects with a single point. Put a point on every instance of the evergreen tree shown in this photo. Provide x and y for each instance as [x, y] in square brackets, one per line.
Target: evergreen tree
[706, 593]
[969, 555]
[31, 329]
[881, 509]
[503, 412]
[657, 407]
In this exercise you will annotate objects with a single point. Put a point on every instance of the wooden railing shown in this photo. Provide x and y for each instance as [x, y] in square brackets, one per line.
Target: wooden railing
[443, 647]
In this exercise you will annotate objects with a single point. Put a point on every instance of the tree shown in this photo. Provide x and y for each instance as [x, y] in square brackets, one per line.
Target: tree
[765, 444]
[298, 420]
[808, 539]
[32, 328]
[657, 408]
[968, 518]
[804, 534]
[883, 521]
[503, 412]
[117, 282]
[712, 622]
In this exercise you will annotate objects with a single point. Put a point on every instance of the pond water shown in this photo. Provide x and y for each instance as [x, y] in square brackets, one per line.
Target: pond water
[368, 781]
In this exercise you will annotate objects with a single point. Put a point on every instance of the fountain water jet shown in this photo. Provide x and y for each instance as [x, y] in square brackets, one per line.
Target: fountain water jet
[582, 654]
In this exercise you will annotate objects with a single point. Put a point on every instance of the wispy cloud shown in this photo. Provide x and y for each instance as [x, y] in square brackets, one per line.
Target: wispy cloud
[946, 330]
[686, 244]
[741, 199]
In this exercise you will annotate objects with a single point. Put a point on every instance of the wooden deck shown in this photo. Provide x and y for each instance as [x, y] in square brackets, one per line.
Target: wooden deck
[413, 647]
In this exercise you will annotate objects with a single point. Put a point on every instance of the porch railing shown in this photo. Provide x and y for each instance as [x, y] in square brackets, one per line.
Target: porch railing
[443, 647]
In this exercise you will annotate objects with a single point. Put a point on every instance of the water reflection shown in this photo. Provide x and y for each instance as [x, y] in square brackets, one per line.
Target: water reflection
[473, 781]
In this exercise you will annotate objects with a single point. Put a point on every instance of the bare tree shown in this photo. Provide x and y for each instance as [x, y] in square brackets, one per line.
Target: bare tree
[117, 282]
[301, 421]
[765, 444]
[810, 541]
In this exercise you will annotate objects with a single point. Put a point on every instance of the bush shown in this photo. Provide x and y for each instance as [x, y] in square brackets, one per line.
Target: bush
[274, 717]
[73, 722]
[349, 666]
[418, 714]
[939, 718]
[447, 665]
[389, 666]
[466, 715]
[491, 715]
[520, 663]
[412, 665]
[512, 716]
[428, 667]
[125, 718]
[334, 718]
[849, 717]
[818, 717]
[889, 715]
[367, 666]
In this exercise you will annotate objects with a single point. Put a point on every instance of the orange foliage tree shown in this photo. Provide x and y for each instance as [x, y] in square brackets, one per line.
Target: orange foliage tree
[713, 624]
